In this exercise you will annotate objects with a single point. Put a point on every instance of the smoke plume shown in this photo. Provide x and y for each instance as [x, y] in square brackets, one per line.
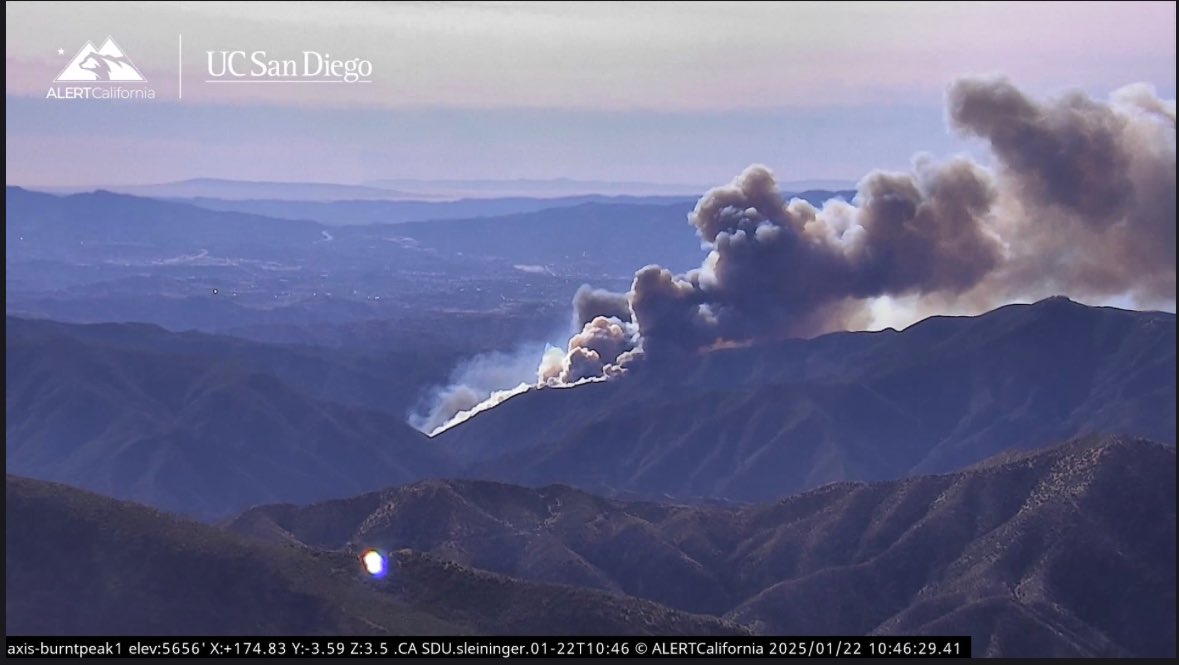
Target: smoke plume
[475, 385]
[1081, 201]
[1090, 188]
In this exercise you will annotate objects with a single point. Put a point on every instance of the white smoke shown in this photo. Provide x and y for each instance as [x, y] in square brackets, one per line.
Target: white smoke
[475, 385]
[492, 400]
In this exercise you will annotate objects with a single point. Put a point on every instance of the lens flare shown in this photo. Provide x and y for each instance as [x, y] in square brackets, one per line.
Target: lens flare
[374, 563]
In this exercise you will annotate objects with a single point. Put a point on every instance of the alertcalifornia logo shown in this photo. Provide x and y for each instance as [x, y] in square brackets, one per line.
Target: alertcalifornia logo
[100, 73]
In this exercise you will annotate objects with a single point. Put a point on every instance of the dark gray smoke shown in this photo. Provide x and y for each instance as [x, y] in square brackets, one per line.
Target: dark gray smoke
[777, 268]
[1081, 201]
[1091, 186]
[590, 303]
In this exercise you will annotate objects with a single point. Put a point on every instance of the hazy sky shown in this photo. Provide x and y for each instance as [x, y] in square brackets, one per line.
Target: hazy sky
[667, 92]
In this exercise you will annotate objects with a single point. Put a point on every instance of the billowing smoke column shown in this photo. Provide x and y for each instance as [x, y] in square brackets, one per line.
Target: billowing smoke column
[1081, 201]
[606, 334]
[1090, 205]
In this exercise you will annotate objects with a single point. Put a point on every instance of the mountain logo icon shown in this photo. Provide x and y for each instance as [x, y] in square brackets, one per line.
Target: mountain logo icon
[108, 63]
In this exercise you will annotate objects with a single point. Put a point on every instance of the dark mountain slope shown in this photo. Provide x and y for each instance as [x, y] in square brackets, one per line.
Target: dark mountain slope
[766, 421]
[192, 435]
[494, 603]
[1077, 542]
[555, 534]
[1065, 551]
[78, 563]
[208, 425]
[377, 365]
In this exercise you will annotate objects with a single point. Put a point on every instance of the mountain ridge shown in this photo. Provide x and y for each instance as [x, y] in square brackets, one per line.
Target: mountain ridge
[150, 415]
[777, 418]
[189, 434]
[1013, 552]
[80, 563]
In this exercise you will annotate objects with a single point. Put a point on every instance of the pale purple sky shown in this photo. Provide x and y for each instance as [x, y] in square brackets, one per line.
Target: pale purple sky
[665, 92]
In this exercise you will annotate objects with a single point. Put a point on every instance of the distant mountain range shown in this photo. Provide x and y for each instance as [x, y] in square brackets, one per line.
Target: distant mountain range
[350, 213]
[383, 190]
[407, 189]
[245, 189]
[1066, 552]
[207, 425]
[359, 212]
[559, 187]
[542, 187]
[55, 244]
[113, 257]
